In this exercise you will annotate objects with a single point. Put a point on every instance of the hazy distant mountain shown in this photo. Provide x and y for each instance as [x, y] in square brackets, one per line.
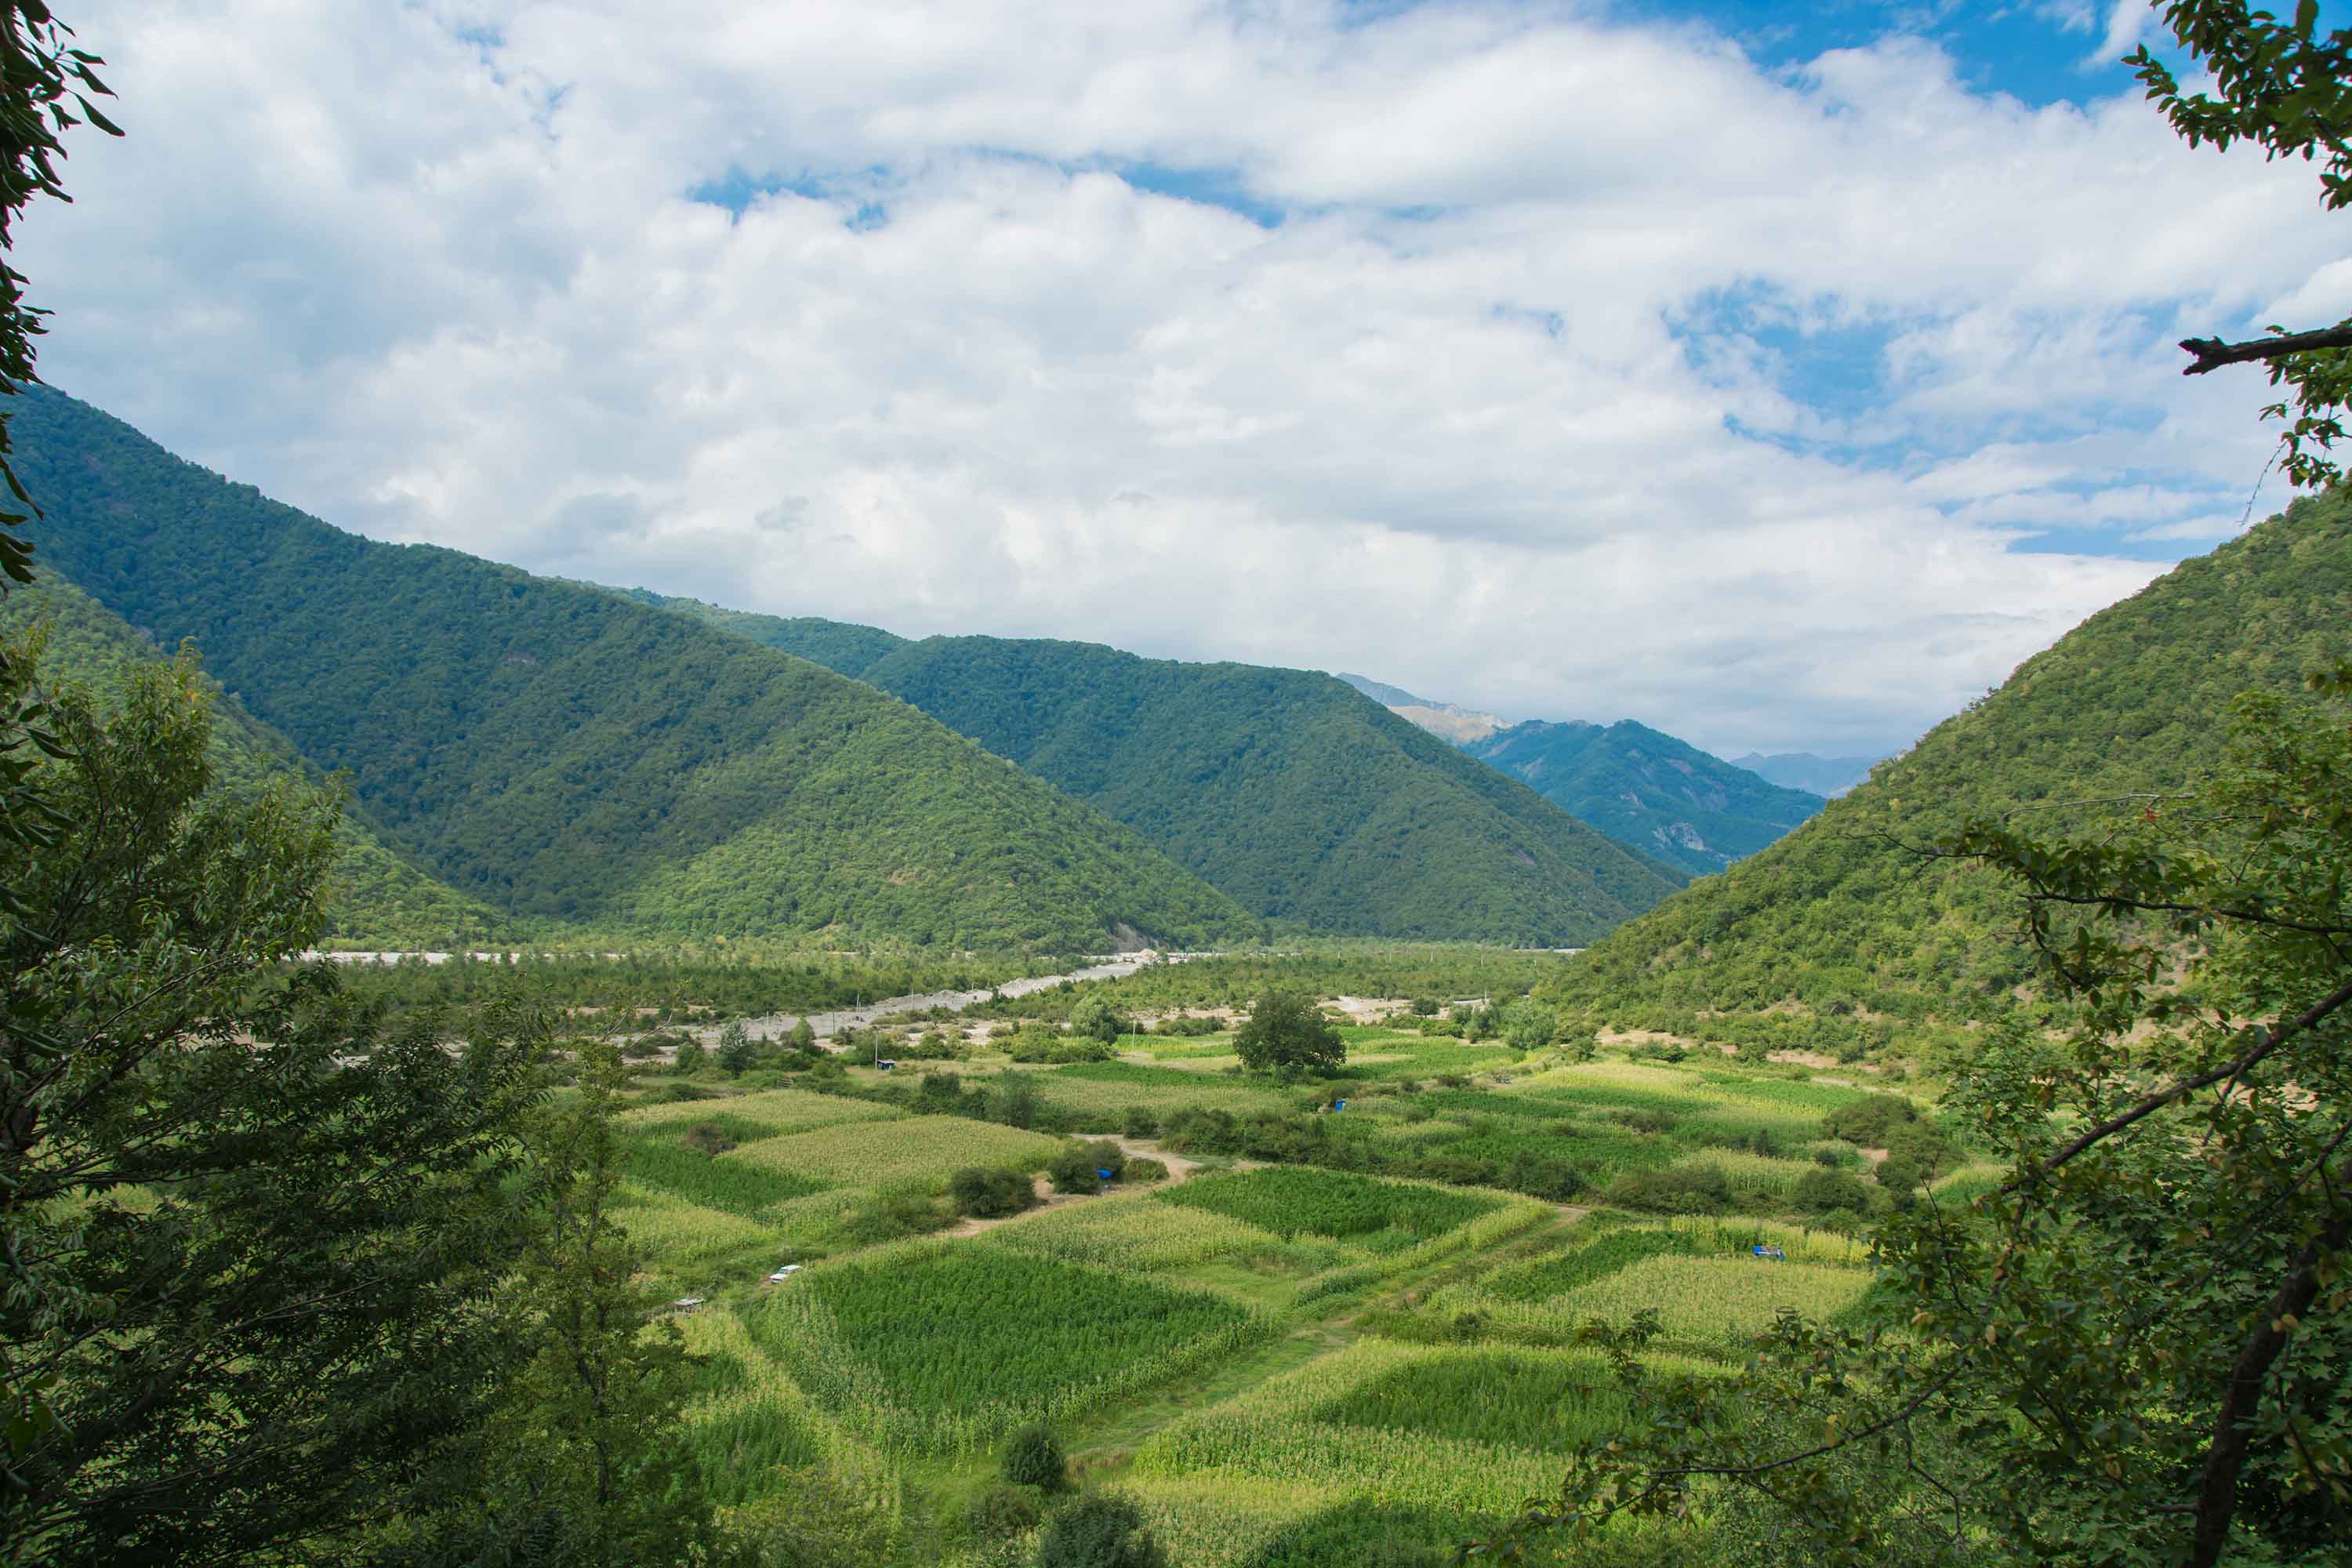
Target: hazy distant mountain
[1826, 776]
[1649, 790]
[1446, 721]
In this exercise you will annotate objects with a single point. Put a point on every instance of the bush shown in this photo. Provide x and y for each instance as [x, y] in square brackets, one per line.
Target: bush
[1072, 1170]
[1033, 1458]
[1139, 1123]
[689, 1058]
[1871, 1121]
[1142, 1169]
[1006, 1511]
[1692, 1189]
[1015, 1100]
[1424, 1006]
[707, 1139]
[892, 1213]
[1822, 1190]
[1101, 1530]
[673, 1094]
[979, 1194]
[1095, 1019]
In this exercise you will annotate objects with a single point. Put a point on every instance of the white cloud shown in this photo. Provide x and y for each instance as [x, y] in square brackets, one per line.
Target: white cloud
[1469, 419]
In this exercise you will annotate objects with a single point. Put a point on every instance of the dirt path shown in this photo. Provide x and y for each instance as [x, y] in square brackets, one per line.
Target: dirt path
[1178, 1170]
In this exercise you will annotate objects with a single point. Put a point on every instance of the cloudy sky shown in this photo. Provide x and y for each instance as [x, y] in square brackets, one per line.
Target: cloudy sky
[1779, 386]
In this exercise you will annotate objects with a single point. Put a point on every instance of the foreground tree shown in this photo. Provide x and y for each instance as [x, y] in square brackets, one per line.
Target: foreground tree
[2287, 88]
[1285, 1029]
[250, 1280]
[2137, 1351]
[582, 1464]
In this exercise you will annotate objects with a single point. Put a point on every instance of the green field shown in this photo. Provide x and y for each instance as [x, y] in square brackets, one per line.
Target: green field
[1287, 1365]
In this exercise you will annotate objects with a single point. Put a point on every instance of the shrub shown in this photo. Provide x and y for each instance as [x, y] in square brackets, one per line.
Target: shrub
[979, 1194]
[1424, 1006]
[673, 1094]
[1095, 1019]
[1015, 1101]
[707, 1139]
[1101, 1530]
[1007, 1510]
[1073, 1171]
[892, 1213]
[1871, 1121]
[1139, 1123]
[689, 1058]
[1033, 1458]
[1108, 1156]
[1822, 1190]
[1689, 1189]
[1144, 1170]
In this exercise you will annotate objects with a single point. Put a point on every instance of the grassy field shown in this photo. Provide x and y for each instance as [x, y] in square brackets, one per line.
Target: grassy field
[1287, 1365]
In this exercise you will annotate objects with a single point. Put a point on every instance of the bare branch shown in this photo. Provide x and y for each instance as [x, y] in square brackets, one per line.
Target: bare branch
[2213, 353]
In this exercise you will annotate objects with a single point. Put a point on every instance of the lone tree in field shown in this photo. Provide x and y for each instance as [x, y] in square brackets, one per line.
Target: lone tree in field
[1286, 1030]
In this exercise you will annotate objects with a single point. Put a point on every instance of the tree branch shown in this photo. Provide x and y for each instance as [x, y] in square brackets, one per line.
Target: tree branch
[2213, 353]
[2225, 1457]
[2271, 1039]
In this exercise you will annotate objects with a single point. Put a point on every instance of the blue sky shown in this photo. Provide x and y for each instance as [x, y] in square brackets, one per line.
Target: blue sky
[1779, 376]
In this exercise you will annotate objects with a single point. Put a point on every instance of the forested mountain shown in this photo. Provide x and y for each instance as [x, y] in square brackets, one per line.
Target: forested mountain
[1281, 787]
[1647, 789]
[841, 645]
[1286, 790]
[560, 753]
[2134, 700]
[1827, 776]
[377, 898]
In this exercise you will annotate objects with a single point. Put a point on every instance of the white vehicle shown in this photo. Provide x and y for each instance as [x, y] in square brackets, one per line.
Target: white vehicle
[786, 1272]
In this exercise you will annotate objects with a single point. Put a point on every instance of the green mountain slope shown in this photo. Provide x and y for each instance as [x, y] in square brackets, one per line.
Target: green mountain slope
[841, 645]
[1659, 795]
[1294, 795]
[560, 753]
[1281, 787]
[378, 899]
[2134, 699]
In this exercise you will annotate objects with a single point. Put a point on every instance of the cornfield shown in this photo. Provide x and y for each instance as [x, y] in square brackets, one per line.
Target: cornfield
[916, 1149]
[943, 1347]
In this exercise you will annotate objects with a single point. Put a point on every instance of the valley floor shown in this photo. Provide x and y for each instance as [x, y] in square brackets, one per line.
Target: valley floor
[1285, 1364]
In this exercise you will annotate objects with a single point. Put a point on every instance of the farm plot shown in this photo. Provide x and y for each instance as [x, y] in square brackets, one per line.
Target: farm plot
[766, 1114]
[1132, 1231]
[1292, 1200]
[917, 1148]
[659, 1159]
[1104, 1089]
[683, 1237]
[943, 1347]
[1280, 1432]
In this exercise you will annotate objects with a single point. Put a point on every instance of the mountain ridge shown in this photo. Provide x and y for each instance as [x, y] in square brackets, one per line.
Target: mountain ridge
[561, 753]
[1839, 916]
